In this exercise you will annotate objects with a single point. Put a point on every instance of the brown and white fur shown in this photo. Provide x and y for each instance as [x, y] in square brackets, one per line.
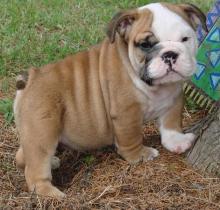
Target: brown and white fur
[102, 96]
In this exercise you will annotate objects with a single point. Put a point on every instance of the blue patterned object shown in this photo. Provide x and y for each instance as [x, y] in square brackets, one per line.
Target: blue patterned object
[214, 36]
[215, 79]
[200, 70]
[214, 57]
[211, 19]
[204, 87]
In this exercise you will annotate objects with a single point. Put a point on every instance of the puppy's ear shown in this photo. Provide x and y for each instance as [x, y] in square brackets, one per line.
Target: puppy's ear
[121, 23]
[195, 15]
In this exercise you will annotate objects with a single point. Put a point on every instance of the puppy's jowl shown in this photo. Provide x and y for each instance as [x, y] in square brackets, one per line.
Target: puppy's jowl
[102, 96]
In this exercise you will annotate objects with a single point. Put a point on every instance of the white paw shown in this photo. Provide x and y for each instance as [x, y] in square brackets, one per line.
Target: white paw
[55, 163]
[177, 142]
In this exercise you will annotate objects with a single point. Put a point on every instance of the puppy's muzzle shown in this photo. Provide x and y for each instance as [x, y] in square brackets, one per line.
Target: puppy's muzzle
[170, 57]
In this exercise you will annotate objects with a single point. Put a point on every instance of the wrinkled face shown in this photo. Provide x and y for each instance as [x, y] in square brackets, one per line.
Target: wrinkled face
[162, 42]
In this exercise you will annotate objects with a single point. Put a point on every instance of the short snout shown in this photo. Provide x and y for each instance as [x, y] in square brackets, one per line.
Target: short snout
[173, 62]
[170, 56]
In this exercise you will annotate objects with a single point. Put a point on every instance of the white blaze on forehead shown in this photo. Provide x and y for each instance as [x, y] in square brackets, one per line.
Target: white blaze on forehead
[167, 25]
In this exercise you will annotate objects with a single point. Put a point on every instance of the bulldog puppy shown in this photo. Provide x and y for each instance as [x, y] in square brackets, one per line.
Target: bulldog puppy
[102, 96]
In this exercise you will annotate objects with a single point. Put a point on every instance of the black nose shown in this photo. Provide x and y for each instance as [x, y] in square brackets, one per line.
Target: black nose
[170, 55]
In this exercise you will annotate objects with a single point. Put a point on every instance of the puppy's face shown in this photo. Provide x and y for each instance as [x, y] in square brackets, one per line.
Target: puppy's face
[161, 40]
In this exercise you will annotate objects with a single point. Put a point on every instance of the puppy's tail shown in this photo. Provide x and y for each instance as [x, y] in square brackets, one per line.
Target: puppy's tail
[22, 79]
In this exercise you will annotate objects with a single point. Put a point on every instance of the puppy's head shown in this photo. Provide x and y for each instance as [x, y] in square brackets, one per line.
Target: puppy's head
[161, 40]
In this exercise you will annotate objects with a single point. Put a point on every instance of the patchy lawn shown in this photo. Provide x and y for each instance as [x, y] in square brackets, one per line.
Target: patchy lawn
[33, 33]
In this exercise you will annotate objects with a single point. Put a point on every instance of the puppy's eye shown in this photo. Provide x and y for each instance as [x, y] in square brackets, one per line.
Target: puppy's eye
[185, 39]
[145, 45]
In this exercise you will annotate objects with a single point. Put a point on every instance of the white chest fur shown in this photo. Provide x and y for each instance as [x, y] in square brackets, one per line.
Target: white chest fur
[156, 101]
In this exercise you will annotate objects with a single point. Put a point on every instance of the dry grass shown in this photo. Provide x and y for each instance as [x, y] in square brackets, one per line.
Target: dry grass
[109, 182]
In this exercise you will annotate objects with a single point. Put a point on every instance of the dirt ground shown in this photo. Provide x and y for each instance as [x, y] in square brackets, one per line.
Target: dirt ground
[102, 180]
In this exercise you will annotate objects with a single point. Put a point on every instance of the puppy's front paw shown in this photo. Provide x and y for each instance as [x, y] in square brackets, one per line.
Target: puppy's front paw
[177, 142]
[145, 154]
[149, 153]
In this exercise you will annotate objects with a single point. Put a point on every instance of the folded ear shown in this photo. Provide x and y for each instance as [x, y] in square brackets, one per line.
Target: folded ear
[195, 15]
[121, 23]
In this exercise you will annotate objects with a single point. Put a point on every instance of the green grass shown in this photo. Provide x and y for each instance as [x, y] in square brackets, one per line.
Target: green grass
[6, 109]
[89, 159]
[33, 33]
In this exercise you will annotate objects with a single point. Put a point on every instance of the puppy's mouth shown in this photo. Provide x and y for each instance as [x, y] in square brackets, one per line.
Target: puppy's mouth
[170, 63]
[163, 69]
[170, 71]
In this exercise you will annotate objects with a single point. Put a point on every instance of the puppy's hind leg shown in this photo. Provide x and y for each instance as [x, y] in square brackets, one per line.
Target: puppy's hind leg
[39, 143]
[20, 161]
